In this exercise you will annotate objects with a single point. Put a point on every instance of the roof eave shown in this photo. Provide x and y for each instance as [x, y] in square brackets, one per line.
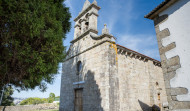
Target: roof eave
[149, 58]
[160, 8]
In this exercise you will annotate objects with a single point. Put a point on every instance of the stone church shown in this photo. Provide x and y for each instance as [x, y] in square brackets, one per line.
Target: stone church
[100, 75]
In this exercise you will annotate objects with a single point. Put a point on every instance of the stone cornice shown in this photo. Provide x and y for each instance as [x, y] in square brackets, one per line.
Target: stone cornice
[102, 36]
[84, 34]
[83, 20]
[131, 53]
[88, 49]
[77, 25]
[86, 10]
[121, 49]
[93, 13]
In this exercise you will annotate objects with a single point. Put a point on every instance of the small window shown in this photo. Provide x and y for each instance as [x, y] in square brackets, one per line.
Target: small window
[80, 25]
[157, 84]
[79, 67]
[80, 21]
[158, 96]
[87, 16]
[86, 25]
[79, 28]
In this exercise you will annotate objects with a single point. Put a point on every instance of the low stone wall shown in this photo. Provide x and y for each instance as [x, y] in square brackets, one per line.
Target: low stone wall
[30, 107]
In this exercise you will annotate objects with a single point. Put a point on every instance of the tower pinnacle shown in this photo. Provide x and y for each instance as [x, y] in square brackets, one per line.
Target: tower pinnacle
[105, 30]
[86, 4]
[86, 21]
[95, 2]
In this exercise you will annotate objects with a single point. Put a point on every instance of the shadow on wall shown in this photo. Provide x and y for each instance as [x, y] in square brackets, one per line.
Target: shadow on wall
[92, 95]
[177, 6]
[146, 107]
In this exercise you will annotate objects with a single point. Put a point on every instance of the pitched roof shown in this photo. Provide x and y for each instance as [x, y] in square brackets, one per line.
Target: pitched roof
[165, 4]
[139, 54]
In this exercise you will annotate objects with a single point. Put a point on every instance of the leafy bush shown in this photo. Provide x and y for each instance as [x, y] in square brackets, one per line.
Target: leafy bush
[33, 101]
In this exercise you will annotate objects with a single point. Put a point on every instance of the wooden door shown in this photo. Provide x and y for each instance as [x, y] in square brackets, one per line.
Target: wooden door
[78, 100]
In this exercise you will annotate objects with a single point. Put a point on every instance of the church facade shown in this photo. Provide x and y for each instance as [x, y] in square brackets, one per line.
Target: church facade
[100, 75]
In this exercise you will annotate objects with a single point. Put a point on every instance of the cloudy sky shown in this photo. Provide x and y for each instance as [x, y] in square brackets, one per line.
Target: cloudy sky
[125, 20]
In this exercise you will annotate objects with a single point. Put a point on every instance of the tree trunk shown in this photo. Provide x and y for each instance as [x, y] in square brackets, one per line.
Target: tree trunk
[2, 92]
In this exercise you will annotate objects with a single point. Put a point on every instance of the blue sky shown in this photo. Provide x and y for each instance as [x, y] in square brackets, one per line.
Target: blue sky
[125, 20]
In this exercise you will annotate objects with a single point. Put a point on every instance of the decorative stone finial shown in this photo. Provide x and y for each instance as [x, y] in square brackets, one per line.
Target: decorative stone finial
[105, 30]
[86, 4]
[105, 26]
[95, 2]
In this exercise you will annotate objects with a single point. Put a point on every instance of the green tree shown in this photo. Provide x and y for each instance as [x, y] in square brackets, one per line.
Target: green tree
[51, 98]
[31, 41]
[51, 95]
[7, 100]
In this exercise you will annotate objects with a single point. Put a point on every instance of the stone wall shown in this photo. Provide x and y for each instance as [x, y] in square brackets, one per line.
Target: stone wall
[95, 74]
[30, 107]
[141, 84]
[110, 81]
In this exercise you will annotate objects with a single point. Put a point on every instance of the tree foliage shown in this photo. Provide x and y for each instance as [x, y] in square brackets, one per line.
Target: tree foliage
[51, 98]
[33, 101]
[31, 34]
[7, 99]
[52, 95]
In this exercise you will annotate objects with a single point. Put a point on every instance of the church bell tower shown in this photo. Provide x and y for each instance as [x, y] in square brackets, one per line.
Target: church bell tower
[87, 19]
[90, 66]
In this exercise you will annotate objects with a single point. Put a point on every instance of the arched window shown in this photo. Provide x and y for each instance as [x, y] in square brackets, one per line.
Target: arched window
[86, 25]
[79, 67]
[79, 29]
[87, 21]
[87, 16]
[157, 84]
[158, 96]
[80, 21]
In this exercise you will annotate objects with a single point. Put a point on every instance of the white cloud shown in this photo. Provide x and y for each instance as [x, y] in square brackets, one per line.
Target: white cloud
[141, 43]
[152, 53]
[59, 71]
[58, 77]
[115, 13]
[116, 10]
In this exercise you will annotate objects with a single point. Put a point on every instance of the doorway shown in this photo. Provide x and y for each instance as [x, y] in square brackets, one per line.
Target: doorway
[78, 99]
